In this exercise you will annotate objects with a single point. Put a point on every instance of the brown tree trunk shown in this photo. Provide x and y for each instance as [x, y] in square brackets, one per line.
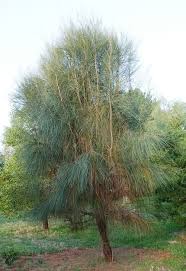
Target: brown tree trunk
[45, 224]
[102, 227]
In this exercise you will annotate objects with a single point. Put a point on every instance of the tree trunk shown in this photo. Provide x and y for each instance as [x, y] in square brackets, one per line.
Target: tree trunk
[45, 224]
[102, 227]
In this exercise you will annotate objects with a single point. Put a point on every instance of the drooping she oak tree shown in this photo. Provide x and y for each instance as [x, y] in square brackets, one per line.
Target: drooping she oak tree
[82, 131]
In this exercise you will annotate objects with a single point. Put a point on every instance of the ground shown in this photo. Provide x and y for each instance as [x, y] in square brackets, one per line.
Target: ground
[126, 259]
[162, 249]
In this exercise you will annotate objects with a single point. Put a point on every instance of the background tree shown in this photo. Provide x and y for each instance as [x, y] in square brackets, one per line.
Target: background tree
[20, 192]
[14, 196]
[1, 161]
[85, 133]
[171, 201]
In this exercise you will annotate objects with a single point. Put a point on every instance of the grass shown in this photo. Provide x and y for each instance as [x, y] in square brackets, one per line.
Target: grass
[28, 238]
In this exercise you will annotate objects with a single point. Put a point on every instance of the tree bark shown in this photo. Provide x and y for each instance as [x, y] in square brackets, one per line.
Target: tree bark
[102, 227]
[45, 224]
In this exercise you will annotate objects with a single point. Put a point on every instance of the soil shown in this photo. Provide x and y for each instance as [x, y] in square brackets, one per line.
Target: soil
[125, 259]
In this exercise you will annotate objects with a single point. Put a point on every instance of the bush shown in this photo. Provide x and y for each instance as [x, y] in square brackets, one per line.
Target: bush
[9, 255]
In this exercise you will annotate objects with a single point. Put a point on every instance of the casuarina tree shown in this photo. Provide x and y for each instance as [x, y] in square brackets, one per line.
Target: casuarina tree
[82, 132]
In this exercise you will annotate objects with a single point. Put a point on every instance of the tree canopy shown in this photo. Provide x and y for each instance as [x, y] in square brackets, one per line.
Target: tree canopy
[85, 130]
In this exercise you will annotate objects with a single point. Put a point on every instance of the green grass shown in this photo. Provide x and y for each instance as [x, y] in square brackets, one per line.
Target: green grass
[31, 236]
[27, 238]
[156, 237]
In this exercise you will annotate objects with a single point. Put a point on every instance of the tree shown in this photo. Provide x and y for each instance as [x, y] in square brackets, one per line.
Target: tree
[78, 132]
[1, 161]
[14, 196]
[20, 192]
[171, 200]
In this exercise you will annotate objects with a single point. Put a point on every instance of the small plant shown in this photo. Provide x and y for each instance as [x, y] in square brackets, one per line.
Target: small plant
[9, 255]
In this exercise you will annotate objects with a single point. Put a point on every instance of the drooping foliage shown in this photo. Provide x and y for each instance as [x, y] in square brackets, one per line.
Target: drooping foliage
[84, 131]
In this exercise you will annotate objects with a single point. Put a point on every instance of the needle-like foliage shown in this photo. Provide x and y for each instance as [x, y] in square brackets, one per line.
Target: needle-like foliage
[85, 132]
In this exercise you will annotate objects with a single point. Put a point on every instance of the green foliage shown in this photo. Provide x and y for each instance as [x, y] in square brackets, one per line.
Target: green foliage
[83, 144]
[13, 194]
[134, 108]
[1, 161]
[81, 137]
[171, 201]
[81, 130]
[9, 255]
[19, 192]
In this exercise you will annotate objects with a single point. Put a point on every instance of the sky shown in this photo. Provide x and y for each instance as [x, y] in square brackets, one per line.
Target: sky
[158, 28]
